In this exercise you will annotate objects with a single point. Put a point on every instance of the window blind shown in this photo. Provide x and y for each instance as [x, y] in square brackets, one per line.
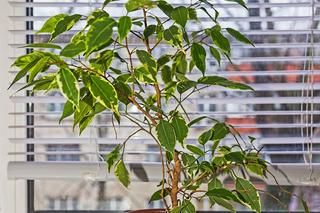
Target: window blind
[282, 113]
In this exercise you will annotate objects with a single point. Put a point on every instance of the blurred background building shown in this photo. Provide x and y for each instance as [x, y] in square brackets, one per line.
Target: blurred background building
[62, 170]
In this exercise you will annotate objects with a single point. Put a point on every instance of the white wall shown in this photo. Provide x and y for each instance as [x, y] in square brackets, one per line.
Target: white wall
[12, 193]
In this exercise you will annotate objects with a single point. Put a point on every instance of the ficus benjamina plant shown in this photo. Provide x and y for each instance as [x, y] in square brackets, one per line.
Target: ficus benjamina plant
[84, 72]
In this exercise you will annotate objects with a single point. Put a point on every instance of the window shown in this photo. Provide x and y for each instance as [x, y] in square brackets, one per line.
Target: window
[276, 113]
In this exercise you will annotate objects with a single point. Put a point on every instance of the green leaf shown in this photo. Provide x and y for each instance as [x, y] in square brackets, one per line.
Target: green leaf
[222, 202]
[205, 137]
[104, 92]
[68, 110]
[241, 2]
[184, 86]
[249, 193]
[173, 35]
[86, 121]
[220, 81]
[112, 157]
[187, 207]
[221, 130]
[85, 106]
[166, 135]
[180, 128]
[43, 45]
[305, 206]
[158, 194]
[65, 24]
[180, 15]
[99, 34]
[214, 183]
[72, 49]
[122, 173]
[150, 63]
[50, 24]
[198, 54]
[143, 75]
[105, 3]
[133, 5]
[68, 85]
[220, 40]
[165, 7]
[96, 15]
[166, 74]
[163, 60]
[103, 61]
[237, 157]
[215, 53]
[240, 37]
[223, 193]
[40, 66]
[195, 150]
[149, 31]
[193, 13]
[124, 27]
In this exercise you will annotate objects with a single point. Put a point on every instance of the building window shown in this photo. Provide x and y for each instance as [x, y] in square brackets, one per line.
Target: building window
[63, 148]
[63, 203]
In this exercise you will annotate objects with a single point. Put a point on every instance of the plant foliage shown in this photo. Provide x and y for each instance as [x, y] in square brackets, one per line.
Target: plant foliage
[84, 71]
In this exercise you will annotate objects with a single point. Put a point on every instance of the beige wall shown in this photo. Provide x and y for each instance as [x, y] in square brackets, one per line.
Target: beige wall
[12, 193]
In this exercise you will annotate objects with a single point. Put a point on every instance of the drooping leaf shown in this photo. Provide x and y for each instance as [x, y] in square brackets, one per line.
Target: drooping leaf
[166, 74]
[220, 81]
[249, 193]
[219, 39]
[195, 150]
[104, 92]
[305, 206]
[223, 193]
[239, 36]
[99, 34]
[68, 110]
[84, 123]
[221, 130]
[180, 15]
[148, 61]
[85, 106]
[198, 54]
[50, 24]
[241, 2]
[105, 3]
[43, 45]
[187, 207]
[180, 128]
[184, 86]
[214, 183]
[163, 60]
[165, 7]
[173, 35]
[40, 66]
[205, 137]
[124, 27]
[151, 29]
[222, 202]
[68, 85]
[73, 49]
[215, 53]
[65, 24]
[193, 13]
[133, 5]
[122, 173]
[237, 157]
[113, 157]
[158, 195]
[166, 135]
[95, 15]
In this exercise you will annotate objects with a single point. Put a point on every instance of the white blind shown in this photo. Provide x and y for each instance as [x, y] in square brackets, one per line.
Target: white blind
[282, 113]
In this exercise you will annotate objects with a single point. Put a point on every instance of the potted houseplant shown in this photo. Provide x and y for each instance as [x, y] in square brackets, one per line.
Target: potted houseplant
[85, 75]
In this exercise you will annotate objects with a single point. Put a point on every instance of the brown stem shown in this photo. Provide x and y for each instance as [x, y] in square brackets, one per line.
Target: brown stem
[175, 179]
[146, 25]
[133, 100]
